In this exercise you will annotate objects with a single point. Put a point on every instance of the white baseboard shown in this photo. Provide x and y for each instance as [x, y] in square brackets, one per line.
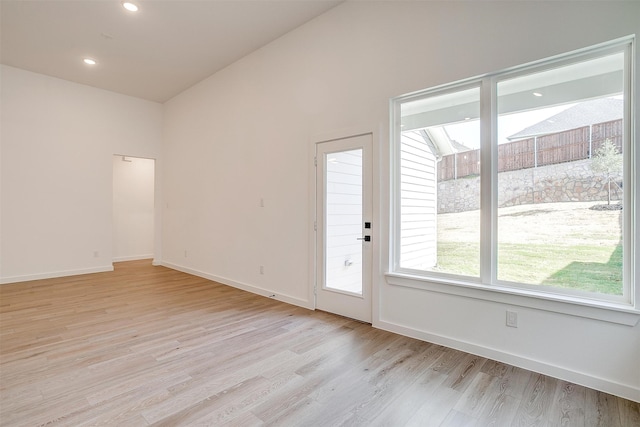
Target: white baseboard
[243, 286]
[54, 274]
[617, 389]
[132, 258]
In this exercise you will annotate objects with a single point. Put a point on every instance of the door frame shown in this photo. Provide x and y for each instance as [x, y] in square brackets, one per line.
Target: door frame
[314, 281]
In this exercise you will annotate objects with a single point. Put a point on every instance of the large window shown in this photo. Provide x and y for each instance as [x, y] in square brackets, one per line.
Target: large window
[521, 180]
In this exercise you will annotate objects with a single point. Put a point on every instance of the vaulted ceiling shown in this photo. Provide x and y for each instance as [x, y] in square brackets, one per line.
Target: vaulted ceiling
[155, 53]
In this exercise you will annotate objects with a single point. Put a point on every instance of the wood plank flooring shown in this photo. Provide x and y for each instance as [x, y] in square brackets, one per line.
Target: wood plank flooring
[147, 345]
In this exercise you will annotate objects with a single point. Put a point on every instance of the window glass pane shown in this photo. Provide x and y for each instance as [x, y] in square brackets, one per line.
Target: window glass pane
[343, 221]
[439, 159]
[560, 181]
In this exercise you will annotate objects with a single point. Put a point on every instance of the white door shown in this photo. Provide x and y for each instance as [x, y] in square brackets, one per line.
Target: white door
[343, 217]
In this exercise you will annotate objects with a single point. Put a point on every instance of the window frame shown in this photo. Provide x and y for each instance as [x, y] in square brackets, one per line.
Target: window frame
[619, 309]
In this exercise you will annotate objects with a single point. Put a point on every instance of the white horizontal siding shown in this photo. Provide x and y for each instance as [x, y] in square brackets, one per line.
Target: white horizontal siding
[343, 221]
[418, 200]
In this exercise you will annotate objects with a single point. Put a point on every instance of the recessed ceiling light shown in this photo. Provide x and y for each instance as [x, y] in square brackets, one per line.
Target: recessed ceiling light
[537, 94]
[89, 61]
[131, 7]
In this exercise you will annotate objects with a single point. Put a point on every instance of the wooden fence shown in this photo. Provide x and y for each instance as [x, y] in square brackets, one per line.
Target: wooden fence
[567, 146]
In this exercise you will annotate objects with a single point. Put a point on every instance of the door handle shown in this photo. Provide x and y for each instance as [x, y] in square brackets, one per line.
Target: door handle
[365, 238]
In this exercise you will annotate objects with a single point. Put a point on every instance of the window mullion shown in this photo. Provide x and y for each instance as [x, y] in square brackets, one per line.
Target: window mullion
[630, 191]
[488, 181]
[394, 212]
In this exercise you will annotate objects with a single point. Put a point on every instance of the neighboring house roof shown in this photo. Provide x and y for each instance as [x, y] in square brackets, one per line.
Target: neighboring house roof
[438, 141]
[582, 114]
[459, 147]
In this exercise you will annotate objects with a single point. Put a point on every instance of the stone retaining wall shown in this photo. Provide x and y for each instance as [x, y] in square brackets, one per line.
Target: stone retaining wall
[564, 182]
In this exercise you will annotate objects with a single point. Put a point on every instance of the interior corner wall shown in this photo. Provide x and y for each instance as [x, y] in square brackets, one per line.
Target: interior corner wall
[58, 139]
[245, 134]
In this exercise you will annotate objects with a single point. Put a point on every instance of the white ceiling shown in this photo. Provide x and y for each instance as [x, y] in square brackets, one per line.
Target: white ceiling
[155, 53]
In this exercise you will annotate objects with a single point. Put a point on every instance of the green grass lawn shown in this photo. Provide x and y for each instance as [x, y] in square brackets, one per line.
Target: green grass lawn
[564, 245]
[589, 268]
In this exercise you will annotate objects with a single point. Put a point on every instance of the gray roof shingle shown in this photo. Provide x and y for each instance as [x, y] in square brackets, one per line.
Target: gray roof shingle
[582, 114]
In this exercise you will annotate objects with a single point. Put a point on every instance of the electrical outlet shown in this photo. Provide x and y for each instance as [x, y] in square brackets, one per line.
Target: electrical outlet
[512, 319]
[96, 254]
[262, 269]
[185, 253]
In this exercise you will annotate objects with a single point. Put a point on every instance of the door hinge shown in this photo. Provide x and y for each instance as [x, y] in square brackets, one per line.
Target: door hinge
[315, 225]
[315, 161]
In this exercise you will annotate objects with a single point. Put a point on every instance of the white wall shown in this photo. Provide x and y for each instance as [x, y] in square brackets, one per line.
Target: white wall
[133, 208]
[58, 139]
[245, 134]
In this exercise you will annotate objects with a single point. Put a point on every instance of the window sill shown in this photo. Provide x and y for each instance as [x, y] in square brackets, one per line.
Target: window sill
[603, 311]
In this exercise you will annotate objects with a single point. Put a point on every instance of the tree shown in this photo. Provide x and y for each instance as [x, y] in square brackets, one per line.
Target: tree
[607, 161]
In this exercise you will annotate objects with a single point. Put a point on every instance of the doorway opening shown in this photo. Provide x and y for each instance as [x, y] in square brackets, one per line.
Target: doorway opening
[133, 208]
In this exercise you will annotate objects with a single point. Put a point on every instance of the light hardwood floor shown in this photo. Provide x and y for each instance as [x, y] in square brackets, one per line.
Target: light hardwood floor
[147, 345]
